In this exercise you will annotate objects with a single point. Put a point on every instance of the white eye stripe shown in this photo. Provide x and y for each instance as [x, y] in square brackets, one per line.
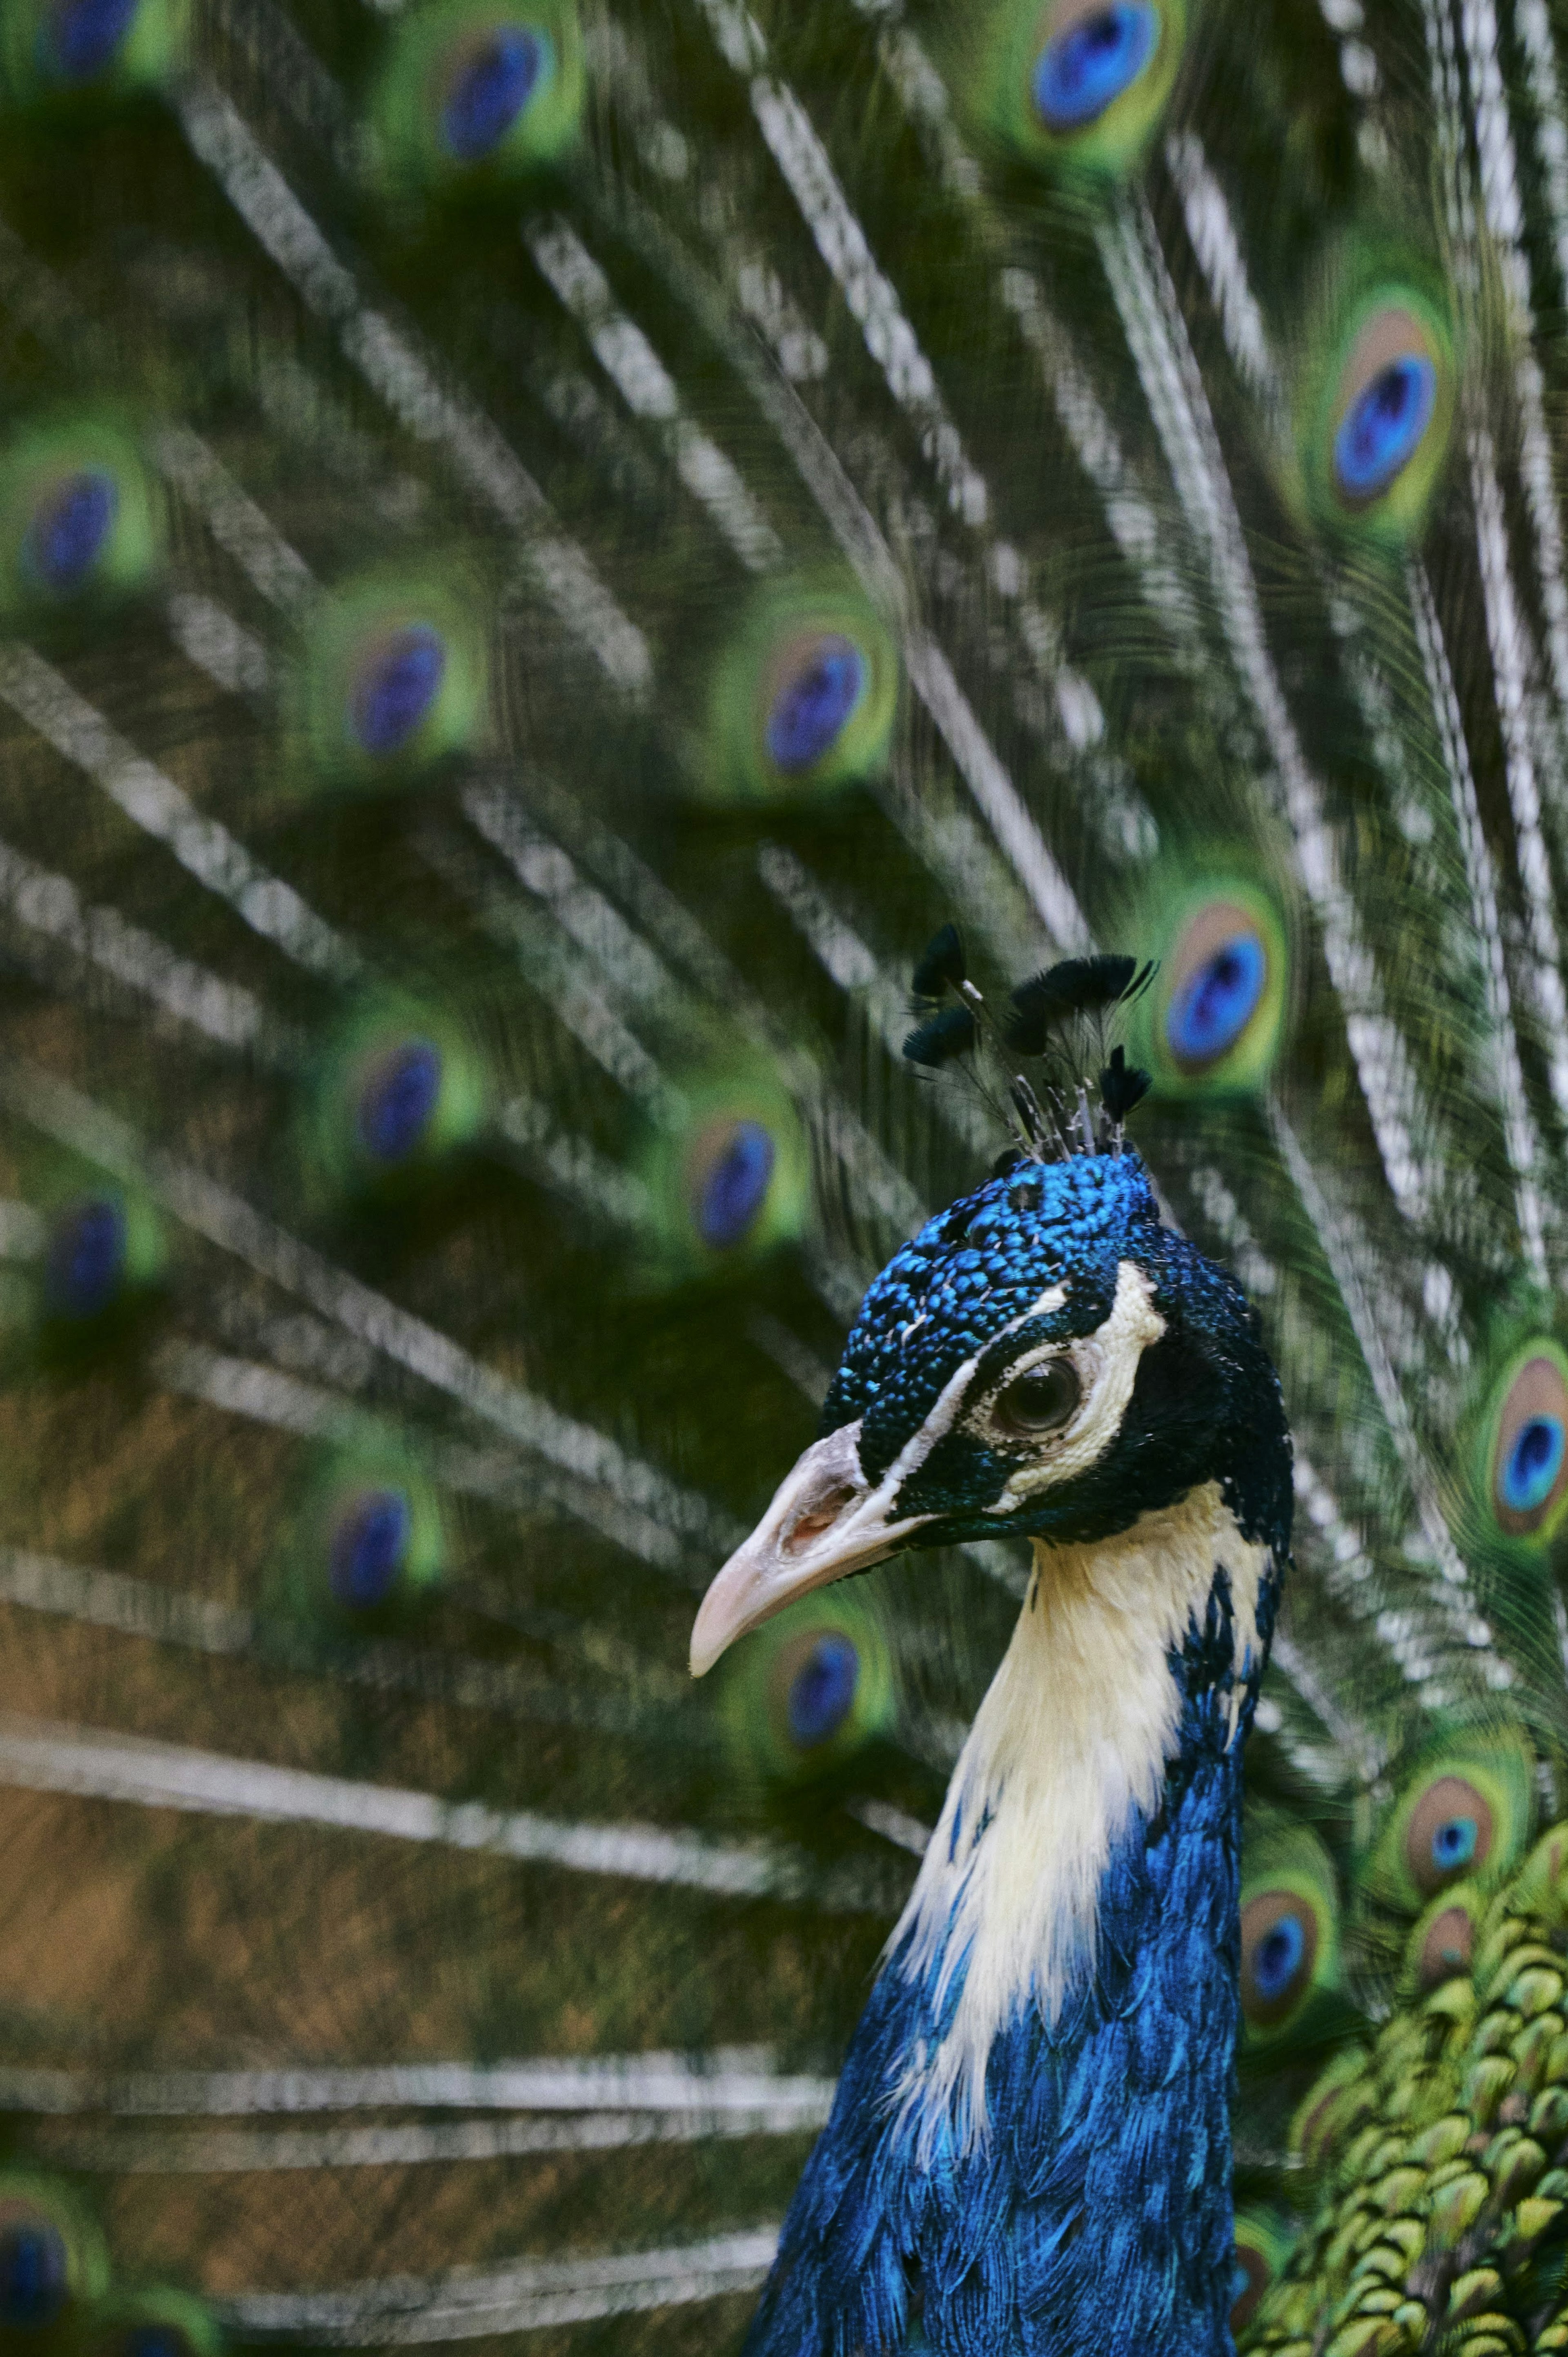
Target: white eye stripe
[1107, 1361]
[1115, 1348]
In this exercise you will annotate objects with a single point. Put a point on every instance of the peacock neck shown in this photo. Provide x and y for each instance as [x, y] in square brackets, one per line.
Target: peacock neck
[1111, 1679]
[1055, 2020]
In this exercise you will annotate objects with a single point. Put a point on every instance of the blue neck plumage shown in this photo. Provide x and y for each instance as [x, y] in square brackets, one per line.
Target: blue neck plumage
[1030, 2148]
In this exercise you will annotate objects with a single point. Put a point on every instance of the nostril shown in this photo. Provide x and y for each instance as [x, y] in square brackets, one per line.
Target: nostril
[821, 1518]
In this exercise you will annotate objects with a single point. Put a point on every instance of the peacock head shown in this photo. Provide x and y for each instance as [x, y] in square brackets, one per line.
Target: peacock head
[1044, 1359]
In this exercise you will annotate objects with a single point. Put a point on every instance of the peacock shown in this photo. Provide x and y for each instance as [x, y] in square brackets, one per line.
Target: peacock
[735, 737]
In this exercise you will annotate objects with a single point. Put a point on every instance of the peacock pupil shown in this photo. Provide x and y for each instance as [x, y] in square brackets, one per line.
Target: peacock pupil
[736, 1186]
[1532, 1464]
[1043, 1399]
[1383, 425]
[490, 89]
[1279, 1954]
[812, 707]
[398, 1099]
[368, 1546]
[1446, 1948]
[68, 529]
[395, 686]
[822, 1691]
[35, 2276]
[1277, 1958]
[1249, 2282]
[86, 1251]
[1450, 1830]
[1086, 67]
[1214, 1005]
[83, 36]
[1453, 1844]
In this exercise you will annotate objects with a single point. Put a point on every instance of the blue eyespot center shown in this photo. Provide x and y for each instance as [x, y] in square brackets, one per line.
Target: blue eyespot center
[822, 1691]
[397, 683]
[35, 2273]
[810, 709]
[68, 528]
[1382, 429]
[368, 1546]
[1277, 1958]
[153, 2340]
[735, 1185]
[1532, 1464]
[398, 1099]
[85, 1259]
[81, 36]
[1453, 1844]
[1086, 67]
[492, 85]
[1213, 1007]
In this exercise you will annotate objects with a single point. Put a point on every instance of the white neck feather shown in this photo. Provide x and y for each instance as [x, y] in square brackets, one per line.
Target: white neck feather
[1071, 1741]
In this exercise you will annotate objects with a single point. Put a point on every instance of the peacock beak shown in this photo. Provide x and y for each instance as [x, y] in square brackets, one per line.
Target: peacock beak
[825, 1522]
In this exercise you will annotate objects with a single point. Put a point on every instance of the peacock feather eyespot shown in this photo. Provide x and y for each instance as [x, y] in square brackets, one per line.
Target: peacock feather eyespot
[1376, 404]
[1265, 2240]
[83, 51]
[84, 1261]
[803, 698]
[817, 1681]
[52, 2262]
[399, 1094]
[158, 2322]
[727, 1179]
[1213, 1021]
[80, 39]
[367, 1542]
[102, 1246]
[393, 679]
[491, 76]
[729, 1171]
[1387, 399]
[1093, 53]
[392, 1093]
[814, 689]
[475, 94]
[1522, 1469]
[810, 1693]
[1450, 1833]
[1461, 1815]
[1290, 1931]
[397, 676]
[368, 1546]
[1443, 1943]
[67, 531]
[1279, 1948]
[79, 520]
[34, 2279]
[1080, 86]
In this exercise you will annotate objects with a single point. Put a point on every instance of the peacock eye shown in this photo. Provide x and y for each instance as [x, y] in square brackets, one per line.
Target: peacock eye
[1040, 1401]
